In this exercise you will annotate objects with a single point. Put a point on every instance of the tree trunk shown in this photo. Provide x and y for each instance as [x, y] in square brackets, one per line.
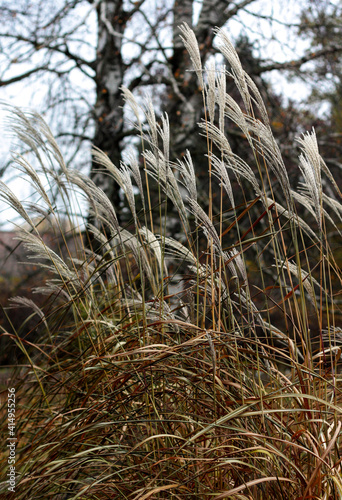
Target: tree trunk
[108, 109]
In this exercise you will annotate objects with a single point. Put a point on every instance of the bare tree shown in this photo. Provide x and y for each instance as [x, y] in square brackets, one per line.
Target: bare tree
[321, 23]
[80, 53]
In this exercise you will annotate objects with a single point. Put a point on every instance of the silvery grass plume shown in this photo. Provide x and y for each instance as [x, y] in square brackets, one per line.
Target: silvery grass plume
[24, 167]
[235, 263]
[187, 175]
[221, 83]
[131, 242]
[335, 206]
[38, 250]
[304, 197]
[310, 166]
[176, 250]
[266, 145]
[306, 278]
[207, 226]
[131, 163]
[160, 170]
[311, 189]
[153, 244]
[157, 161]
[11, 199]
[233, 162]
[29, 303]
[164, 133]
[210, 89]
[54, 288]
[131, 101]
[234, 113]
[101, 206]
[247, 88]
[216, 135]
[291, 217]
[229, 109]
[190, 42]
[150, 129]
[228, 51]
[108, 251]
[258, 133]
[33, 131]
[152, 124]
[121, 176]
[219, 170]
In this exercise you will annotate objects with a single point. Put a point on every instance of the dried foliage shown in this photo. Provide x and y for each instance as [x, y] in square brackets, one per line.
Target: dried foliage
[187, 368]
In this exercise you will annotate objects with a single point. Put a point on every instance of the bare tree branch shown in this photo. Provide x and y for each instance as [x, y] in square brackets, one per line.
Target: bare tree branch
[30, 72]
[297, 63]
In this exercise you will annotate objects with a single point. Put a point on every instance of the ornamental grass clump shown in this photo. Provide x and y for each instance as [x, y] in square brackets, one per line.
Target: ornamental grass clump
[201, 365]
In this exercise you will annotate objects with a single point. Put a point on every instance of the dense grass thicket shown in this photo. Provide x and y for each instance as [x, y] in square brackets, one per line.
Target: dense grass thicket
[203, 365]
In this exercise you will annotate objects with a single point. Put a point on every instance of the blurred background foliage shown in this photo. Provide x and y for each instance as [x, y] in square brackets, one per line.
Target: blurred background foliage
[68, 59]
